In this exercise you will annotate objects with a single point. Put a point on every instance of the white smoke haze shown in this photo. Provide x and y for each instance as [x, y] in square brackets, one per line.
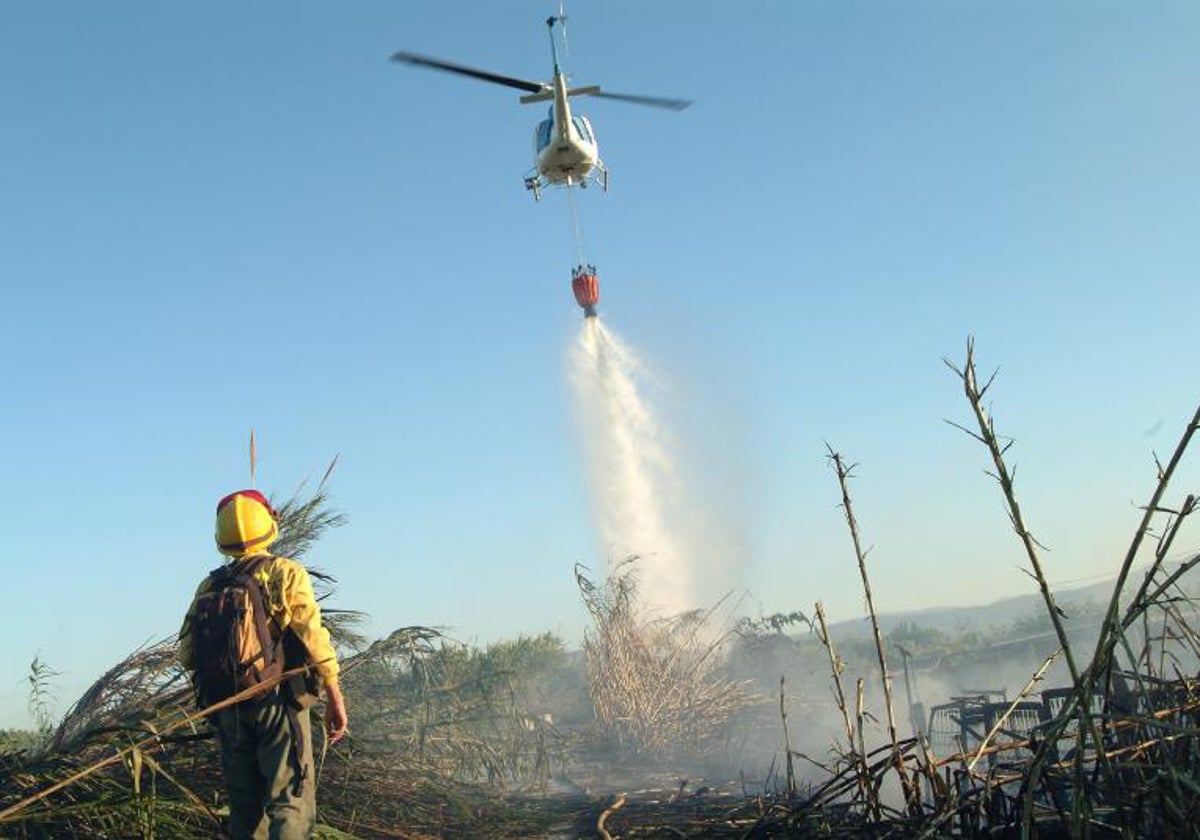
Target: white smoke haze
[815, 726]
[635, 488]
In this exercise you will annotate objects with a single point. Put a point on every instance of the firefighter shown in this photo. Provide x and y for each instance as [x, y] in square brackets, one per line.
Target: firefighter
[266, 741]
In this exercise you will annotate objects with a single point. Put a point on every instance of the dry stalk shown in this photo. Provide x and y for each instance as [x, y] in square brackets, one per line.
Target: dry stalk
[835, 668]
[843, 471]
[867, 784]
[617, 804]
[787, 740]
[1021, 695]
[1139, 606]
[1107, 642]
[987, 435]
[186, 719]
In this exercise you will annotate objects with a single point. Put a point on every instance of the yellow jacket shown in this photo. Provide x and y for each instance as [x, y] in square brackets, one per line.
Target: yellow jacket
[294, 607]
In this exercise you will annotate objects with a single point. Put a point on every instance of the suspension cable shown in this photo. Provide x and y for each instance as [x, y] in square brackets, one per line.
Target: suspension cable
[576, 230]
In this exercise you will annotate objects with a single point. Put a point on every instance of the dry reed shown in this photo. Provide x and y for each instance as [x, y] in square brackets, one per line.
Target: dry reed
[657, 685]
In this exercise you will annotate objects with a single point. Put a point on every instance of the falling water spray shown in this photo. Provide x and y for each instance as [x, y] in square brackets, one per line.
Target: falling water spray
[634, 485]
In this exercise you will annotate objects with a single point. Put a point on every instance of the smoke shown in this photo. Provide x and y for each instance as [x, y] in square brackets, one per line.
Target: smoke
[634, 485]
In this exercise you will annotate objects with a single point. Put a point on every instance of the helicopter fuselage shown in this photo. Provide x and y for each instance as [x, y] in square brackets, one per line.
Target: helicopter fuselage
[564, 144]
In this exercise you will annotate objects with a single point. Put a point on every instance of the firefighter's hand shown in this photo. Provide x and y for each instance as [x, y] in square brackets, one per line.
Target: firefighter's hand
[336, 721]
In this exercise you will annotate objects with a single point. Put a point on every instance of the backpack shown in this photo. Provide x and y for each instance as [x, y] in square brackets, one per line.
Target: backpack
[232, 641]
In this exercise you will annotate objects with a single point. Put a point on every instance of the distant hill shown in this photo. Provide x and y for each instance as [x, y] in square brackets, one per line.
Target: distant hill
[998, 614]
[942, 652]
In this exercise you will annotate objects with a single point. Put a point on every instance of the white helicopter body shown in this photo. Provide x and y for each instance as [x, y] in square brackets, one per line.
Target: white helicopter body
[565, 149]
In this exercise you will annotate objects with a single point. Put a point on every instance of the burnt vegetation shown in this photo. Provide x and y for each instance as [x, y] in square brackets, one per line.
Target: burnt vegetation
[697, 725]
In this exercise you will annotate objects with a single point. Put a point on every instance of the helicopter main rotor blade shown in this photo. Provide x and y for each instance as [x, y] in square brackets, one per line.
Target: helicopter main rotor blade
[462, 70]
[655, 101]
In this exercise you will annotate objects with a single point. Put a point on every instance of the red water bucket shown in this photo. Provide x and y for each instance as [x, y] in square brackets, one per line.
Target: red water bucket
[587, 290]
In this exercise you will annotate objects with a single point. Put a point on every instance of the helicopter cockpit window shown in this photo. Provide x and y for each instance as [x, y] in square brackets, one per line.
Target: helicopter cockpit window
[541, 135]
[585, 130]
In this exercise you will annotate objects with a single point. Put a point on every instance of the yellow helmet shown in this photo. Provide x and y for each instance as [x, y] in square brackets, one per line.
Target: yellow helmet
[246, 523]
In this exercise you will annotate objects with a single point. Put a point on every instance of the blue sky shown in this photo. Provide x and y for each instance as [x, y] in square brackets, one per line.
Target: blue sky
[222, 216]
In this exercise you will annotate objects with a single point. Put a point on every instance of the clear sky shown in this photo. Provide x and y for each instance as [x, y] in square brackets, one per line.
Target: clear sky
[217, 216]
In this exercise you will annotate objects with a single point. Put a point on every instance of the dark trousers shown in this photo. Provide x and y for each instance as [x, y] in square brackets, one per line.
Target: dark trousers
[265, 798]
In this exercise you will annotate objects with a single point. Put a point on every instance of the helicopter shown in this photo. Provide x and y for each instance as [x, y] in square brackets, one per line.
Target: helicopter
[565, 148]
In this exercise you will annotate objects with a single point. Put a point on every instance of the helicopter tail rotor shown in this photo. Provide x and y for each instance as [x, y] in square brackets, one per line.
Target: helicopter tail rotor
[562, 19]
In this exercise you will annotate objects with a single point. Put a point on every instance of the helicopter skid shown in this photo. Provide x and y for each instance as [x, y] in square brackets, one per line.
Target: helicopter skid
[532, 183]
[535, 183]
